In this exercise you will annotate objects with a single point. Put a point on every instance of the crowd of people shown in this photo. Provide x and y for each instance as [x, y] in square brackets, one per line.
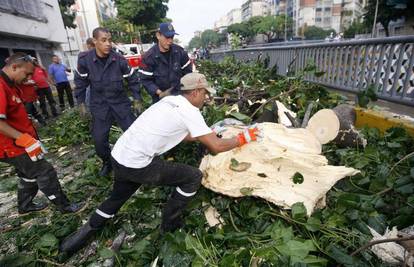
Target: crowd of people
[178, 94]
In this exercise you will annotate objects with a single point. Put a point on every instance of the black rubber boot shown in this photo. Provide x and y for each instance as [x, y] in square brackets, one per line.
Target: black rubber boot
[63, 205]
[172, 213]
[77, 240]
[106, 168]
[25, 199]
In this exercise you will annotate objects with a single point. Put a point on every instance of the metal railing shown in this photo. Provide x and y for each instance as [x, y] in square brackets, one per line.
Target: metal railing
[386, 63]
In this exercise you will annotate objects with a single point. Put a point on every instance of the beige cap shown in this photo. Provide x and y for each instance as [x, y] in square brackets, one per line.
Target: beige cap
[195, 80]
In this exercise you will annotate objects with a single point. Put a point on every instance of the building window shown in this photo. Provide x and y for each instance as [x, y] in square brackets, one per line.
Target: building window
[24, 8]
[327, 9]
[318, 19]
[318, 9]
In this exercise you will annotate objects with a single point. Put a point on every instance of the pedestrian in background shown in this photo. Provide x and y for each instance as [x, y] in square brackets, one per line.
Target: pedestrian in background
[103, 70]
[44, 92]
[164, 65]
[57, 71]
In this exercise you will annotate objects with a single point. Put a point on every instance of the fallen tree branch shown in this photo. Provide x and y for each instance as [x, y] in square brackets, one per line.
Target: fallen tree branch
[294, 122]
[273, 98]
[375, 242]
[306, 117]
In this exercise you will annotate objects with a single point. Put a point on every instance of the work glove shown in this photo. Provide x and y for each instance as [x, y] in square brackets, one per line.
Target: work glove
[253, 133]
[33, 147]
[137, 106]
[165, 93]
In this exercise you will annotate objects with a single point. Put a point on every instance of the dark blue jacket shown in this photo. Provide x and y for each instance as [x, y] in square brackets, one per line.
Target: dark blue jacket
[106, 83]
[158, 73]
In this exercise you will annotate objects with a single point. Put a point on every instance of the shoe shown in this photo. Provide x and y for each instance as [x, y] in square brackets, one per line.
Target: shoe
[77, 240]
[71, 207]
[106, 169]
[32, 207]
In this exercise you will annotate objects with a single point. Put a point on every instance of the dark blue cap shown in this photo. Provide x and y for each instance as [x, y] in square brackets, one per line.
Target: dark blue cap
[167, 30]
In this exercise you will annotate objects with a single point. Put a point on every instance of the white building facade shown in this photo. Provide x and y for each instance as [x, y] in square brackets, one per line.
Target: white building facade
[34, 27]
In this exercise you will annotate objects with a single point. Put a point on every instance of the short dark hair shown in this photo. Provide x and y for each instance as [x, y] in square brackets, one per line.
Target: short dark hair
[89, 41]
[96, 31]
[19, 57]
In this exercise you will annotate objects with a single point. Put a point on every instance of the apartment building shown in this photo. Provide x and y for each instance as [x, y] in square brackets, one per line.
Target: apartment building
[252, 8]
[35, 27]
[233, 16]
[90, 14]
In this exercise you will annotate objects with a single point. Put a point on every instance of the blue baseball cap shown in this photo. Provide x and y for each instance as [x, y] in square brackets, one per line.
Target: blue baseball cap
[167, 30]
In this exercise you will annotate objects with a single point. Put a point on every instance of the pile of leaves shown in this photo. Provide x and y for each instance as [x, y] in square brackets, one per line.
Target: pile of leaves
[254, 232]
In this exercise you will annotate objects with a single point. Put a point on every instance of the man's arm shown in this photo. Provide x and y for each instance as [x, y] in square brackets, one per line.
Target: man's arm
[186, 65]
[51, 74]
[8, 131]
[146, 75]
[81, 80]
[217, 145]
[132, 78]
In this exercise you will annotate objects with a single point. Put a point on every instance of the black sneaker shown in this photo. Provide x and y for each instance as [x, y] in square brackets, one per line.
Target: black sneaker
[71, 208]
[32, 207]
[106, 169]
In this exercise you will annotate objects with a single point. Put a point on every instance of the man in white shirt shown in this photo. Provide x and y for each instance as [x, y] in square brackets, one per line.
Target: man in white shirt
[135, 157]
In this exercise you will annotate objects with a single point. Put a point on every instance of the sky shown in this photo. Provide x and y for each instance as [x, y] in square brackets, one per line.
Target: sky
[189, 16]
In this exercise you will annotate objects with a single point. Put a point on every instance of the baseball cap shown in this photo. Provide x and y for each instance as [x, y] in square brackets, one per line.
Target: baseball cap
[195, 80]
[167, 30]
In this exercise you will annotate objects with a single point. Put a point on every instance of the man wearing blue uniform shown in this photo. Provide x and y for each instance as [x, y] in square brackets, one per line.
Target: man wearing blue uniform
[164, 65]
[103, 70]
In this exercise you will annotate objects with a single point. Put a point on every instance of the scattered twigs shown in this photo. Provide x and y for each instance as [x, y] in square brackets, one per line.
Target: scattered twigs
[272, 99]
[232, 221]
[401, 160]
[54, 263]
[294, 122]
[307, 115]
[375, 242]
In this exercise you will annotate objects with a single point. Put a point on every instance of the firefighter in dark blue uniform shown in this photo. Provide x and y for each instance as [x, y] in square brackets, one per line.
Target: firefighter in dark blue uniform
[104, 71]
[164, 65]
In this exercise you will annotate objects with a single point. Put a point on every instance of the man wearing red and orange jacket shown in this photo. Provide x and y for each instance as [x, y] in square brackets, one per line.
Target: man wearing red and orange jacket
[44, 92]
[19, 142]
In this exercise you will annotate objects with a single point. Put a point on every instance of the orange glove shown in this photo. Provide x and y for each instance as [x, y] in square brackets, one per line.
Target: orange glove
[32, 146]
[248, 135]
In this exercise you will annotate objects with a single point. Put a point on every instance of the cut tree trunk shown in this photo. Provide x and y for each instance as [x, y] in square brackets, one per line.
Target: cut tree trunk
[348, 135]
[336, 125]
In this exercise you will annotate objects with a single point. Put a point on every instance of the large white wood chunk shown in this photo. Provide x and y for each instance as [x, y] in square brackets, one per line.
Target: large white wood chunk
[272, 163]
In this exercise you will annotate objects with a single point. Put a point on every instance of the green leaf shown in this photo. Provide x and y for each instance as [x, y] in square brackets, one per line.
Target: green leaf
[241, 117]
[340, 255]
[106, 253]
[246, 191]
[298, 211]
[297, 178]
[313, 224]
[297, 249]
[47, 241]
[234, 163]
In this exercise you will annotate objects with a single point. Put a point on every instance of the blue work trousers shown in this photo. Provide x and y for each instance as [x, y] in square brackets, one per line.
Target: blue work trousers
[101, 128]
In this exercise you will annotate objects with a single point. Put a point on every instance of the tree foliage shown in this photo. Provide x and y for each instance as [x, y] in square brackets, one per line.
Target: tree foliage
[195, 42]
[68, 15]
[355, 28]
[119, 30]
[273, 26]
[211, 38]
[387, 12]
[315, 33]
[147, 13]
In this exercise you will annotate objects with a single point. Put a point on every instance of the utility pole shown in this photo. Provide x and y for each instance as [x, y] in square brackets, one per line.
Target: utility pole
[373, 33]
[286, 20]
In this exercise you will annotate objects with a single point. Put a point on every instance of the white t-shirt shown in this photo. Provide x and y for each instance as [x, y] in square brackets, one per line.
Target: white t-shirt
[160, 128]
